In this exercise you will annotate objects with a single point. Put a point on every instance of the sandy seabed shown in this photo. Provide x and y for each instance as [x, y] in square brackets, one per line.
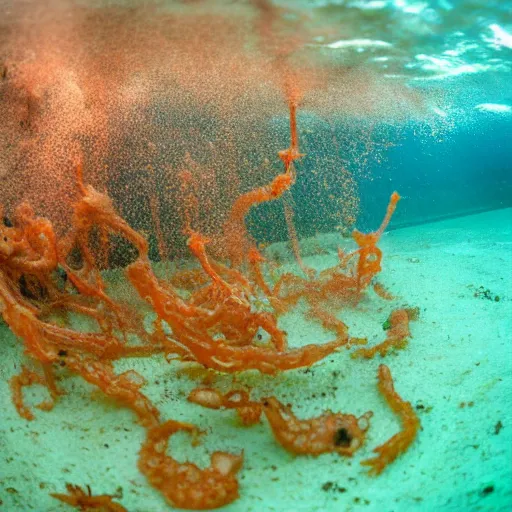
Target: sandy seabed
[456, 371]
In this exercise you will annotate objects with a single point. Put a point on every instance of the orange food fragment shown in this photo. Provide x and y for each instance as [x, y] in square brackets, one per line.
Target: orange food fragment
[86, 502]
[234, 228]
[400, 442]
[186, 485]
[396, 338]
[382, 292]
[27, 378]
[370, 255]
[248, 411]
[330, 322]
[329, 432]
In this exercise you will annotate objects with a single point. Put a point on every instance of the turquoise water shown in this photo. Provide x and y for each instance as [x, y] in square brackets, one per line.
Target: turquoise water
[177, 108]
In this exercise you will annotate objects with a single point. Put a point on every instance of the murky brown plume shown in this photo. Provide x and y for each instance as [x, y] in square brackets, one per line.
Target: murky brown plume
[165, 97]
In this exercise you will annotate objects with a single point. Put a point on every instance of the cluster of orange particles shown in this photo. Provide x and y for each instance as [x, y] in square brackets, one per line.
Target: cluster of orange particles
[97, 79]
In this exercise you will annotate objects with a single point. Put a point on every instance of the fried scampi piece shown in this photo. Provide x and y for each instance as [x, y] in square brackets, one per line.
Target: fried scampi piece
[400, 442]
[248, 411]
[86, 502]
[27, 378]
[397, 335]
[329, 432]
[186, 485]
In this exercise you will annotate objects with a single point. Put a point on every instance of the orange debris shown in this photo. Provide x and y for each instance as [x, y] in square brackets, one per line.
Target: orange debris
[400, 442]
[382, 292]
[186, 485]
[248, 411]
[86, 502]
[330, 432]
[397, 335]
[27, 378]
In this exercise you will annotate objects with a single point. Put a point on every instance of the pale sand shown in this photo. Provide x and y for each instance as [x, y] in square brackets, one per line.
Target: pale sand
[460, 353]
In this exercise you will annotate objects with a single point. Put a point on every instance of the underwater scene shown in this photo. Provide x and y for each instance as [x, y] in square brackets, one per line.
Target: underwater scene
[255, 255]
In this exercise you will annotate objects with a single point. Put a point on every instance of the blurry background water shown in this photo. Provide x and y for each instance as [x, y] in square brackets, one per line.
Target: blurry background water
[456, 160]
